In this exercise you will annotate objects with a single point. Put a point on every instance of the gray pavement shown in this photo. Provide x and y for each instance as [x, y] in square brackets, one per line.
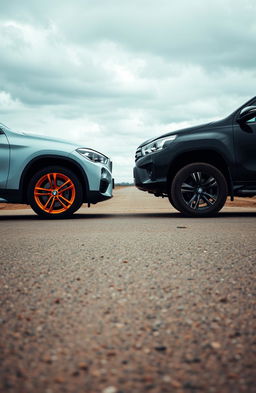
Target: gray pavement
[128, 297]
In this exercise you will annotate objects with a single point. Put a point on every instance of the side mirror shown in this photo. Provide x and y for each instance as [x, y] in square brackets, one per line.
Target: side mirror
[246, 114]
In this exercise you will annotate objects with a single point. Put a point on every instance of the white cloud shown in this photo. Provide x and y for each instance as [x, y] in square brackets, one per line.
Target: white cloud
[8, 104]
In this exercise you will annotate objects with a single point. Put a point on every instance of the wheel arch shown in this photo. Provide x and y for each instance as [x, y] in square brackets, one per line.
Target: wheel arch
[207, 156]
[41, 162]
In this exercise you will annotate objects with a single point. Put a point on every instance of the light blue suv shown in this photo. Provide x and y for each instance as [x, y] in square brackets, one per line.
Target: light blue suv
[53, 176]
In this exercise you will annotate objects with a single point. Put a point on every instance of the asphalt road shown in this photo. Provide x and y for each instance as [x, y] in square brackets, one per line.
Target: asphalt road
[128, 297]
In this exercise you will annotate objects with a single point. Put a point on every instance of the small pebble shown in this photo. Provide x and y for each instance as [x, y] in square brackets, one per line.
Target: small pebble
[215, 345]
[110, 389]
[59, 379]
[83, 366]
[161, 348]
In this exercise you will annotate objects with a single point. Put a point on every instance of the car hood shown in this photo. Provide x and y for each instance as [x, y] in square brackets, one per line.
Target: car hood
[28, 138]
[182, 131]
[49, 139]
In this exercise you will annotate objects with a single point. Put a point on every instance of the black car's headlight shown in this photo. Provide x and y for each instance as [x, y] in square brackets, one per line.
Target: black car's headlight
[157, 145]
[93, 155]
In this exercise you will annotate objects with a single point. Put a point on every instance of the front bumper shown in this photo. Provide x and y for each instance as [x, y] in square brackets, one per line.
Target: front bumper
[96, 196]
[105, 188]
[143, 181]
[150, 173]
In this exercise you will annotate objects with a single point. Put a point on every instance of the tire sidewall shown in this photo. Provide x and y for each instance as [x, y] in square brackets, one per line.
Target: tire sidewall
[172, 202]
[78, 190]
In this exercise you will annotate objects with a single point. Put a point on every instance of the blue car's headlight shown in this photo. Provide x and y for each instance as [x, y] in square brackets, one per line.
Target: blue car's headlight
[93, 155]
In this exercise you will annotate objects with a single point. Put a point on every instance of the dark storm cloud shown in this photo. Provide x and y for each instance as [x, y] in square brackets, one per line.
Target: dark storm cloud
[214, 33]
[205, 32]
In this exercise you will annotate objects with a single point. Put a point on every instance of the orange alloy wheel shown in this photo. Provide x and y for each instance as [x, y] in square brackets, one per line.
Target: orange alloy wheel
[54, 193]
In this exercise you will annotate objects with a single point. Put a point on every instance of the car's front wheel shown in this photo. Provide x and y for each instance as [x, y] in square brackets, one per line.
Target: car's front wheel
[198, 189]
[55, 192]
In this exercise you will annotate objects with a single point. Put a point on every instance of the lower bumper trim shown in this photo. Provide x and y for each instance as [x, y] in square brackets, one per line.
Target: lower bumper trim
[96, 196]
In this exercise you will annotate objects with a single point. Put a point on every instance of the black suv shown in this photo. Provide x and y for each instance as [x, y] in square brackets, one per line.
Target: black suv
[198, 167]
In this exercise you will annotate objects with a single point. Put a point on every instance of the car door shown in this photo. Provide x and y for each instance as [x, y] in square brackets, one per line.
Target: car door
[4, 158]
[245, 148]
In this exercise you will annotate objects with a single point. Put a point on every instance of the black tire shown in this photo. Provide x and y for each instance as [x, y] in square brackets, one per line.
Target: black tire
[55, 192]
[172, 201]
[199, 190]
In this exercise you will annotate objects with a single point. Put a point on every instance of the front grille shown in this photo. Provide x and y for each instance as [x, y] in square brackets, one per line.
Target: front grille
[138, 154]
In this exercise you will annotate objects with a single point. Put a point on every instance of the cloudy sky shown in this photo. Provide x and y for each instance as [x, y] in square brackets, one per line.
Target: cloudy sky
[112, 73]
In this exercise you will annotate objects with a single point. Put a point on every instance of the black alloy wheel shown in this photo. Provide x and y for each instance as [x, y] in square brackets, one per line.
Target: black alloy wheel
[198, 189]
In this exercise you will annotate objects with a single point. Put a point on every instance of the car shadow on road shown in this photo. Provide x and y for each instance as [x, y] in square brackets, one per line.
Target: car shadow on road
[30, 217]
[81, 216]
[162, 215]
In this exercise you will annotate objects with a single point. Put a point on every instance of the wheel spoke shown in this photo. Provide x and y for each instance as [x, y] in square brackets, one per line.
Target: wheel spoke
[42, 193]
[209, 197]
[50, 180]
[207, 200]
[48, 200]
[66, 200]
[210, 182]
[42, 189]
[197, 201]
[193, 175]
[187, 188]
[65, 206]
[64, 184]
[197, 176]
[66, 189]
[190, 203]
[55, 180]
[51, 207]
[62, 203]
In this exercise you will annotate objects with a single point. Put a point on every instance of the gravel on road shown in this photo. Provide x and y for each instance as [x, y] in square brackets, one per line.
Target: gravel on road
[128, 297]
